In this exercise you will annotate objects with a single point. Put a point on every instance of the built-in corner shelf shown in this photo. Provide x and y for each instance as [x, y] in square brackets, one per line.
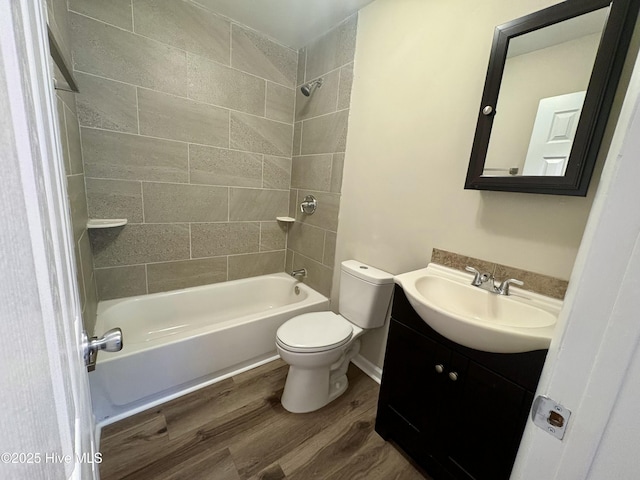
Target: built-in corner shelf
[286, 219]
[106, 222]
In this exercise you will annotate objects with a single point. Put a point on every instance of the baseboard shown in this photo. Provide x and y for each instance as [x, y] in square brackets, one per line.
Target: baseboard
[369, 368]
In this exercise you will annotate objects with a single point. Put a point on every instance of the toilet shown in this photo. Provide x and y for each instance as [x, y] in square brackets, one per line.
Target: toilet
[318, 346]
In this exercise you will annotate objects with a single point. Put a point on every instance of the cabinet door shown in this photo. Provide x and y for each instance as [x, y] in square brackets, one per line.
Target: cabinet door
[412, 384]
[488, 414]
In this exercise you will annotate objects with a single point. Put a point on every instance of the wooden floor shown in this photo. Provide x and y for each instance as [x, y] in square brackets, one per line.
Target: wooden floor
[237, 429]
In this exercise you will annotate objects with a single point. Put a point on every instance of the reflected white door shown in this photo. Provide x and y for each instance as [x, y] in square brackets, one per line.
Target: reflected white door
[46, 425]
[553, 133]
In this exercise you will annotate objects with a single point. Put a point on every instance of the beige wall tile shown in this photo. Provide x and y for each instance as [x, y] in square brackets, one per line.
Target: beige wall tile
[214, 239]
[319, 277]
[114, 12]
[184, 25]
[321, 101]
[312, 172]
[175, 118]
[131, 157]
[329, 256]
[337, 167]
[62, 126]
[273, 236]
[326, 134]
[106, 104]
[73, 139]
[119, 282]
[307, 240]
[89, 316]
[256, 54]
[110, 52]
[260, 135]
[78, 204]
[60, 26]
[162, 277]
[213, 83]
[326, 215]
[280, 102]
[332, 50]
[344, 91]
[254, 264]
[136, 244]
[114, 199]
[68, 98]
[249, 204]
[169, 203]
[297, 138]
[218, 166]
[302, 64]
[288, 262]
[293, 202]
[276, 172]
[79, 277]
[86, 262]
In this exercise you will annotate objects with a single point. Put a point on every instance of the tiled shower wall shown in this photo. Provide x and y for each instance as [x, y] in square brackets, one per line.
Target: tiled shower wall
[318, 151]
[187, 129]
[72, 154]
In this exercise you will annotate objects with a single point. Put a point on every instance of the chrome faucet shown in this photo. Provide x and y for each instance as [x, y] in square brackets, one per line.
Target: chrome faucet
[300, 273]
[487, 282]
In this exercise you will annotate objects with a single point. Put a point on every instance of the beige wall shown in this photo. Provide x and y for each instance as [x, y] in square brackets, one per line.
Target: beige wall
[528, 78]
[418, 79]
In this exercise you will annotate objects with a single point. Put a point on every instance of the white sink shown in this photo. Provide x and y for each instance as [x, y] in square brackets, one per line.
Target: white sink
[445, 299]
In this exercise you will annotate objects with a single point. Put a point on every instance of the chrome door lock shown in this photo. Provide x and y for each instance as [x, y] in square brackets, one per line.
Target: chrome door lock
[550, 416]
[111, 341]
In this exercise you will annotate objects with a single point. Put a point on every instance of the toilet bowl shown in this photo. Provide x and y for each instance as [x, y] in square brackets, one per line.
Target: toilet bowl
[318, 346]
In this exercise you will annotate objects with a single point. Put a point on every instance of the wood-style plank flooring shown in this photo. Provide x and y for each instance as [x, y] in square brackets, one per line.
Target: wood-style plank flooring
[237, 429]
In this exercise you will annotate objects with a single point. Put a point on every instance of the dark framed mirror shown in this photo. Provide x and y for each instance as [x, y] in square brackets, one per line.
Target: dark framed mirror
[550, 85]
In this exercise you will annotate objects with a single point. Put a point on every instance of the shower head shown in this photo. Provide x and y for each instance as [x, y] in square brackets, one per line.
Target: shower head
[308, 88]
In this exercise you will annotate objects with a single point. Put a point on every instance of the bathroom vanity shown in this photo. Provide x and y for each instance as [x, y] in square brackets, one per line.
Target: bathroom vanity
[458, 412]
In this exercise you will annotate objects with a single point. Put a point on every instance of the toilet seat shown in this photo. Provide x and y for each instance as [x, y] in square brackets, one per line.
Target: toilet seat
[314, 332]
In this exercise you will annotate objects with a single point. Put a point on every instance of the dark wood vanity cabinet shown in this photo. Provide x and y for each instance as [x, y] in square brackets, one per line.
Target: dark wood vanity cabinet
[458, 412]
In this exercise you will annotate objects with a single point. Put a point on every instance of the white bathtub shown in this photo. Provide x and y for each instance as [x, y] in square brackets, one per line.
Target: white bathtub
[175, 342]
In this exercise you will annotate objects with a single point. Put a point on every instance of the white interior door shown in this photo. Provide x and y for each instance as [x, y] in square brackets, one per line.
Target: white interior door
[46, 424]
[553, 132]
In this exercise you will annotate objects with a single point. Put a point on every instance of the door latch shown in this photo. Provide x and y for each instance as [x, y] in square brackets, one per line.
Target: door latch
[111, 341]
[550, 416]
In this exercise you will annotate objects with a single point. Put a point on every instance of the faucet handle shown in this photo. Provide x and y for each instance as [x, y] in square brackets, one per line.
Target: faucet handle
[503, 289]
[477, 279]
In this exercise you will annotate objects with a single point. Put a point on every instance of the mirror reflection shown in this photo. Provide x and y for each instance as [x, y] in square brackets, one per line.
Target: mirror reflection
[543, 87]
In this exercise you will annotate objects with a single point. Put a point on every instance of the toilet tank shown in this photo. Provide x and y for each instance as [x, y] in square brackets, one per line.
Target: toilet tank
[365, 294]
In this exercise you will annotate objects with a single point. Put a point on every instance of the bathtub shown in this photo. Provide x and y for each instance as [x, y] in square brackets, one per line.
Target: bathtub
[178, 341]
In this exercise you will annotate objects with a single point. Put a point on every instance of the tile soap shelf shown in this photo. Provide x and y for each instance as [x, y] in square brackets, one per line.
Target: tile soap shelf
[106, 222]
[286, 219]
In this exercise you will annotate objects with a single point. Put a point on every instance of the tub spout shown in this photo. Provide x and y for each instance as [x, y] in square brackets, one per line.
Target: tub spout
[301, 273]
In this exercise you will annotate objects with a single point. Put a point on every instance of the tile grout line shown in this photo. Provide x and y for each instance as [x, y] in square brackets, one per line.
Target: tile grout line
[183, 97]
[185, 142]
[182, 50]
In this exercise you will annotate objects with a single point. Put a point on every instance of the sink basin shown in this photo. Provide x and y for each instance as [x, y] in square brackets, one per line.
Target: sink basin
[445, 299]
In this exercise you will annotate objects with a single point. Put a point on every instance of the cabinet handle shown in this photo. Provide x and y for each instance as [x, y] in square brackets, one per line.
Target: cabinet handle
[439, 368]
[453, 376]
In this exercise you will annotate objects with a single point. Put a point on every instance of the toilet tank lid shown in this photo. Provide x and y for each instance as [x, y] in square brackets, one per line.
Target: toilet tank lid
[366, 272]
